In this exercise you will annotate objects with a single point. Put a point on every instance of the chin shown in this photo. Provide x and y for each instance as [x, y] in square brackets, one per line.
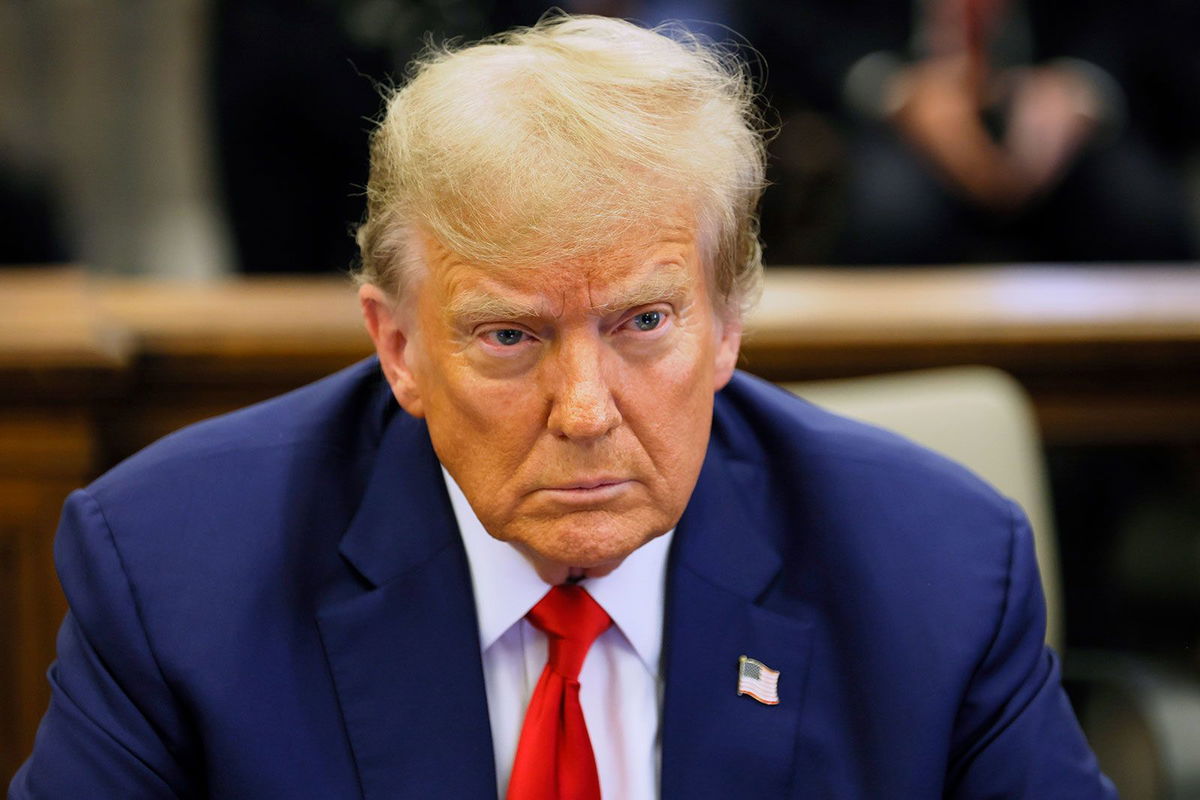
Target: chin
[588, 558]
[591, 546]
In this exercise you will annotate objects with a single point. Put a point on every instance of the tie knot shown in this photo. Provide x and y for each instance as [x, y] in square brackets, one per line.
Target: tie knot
[571, 620]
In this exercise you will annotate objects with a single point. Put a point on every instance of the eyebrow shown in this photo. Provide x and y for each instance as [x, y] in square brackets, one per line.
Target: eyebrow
[663, 285]
[473, 307]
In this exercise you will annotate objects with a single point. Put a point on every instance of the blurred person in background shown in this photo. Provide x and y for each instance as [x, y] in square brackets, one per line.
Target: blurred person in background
[993, 129]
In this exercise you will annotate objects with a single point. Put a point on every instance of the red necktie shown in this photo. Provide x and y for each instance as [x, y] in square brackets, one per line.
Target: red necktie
[554, 757]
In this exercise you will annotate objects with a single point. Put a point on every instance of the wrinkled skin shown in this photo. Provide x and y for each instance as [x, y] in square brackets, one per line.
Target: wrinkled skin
[571, 402]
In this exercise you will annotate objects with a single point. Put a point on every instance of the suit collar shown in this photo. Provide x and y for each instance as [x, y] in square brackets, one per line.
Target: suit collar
[405, 516]
[403, 644]
[716, 743]
[726, 525]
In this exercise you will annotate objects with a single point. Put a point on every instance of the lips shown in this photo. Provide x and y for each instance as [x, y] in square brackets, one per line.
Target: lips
[589, 483]
[588, 491]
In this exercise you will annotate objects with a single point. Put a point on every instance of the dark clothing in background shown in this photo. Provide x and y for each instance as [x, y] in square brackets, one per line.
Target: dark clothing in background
[291, 113]
[1123, 201]
[30, 230]
[296, 86]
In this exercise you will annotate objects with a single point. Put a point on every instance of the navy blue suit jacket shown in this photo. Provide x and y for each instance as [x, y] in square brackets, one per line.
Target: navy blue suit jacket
[276, 604]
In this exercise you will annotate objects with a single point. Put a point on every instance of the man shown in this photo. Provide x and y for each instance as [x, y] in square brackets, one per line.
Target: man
[352, 590]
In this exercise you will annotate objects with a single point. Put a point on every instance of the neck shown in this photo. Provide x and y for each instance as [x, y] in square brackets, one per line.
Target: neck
[555, 574]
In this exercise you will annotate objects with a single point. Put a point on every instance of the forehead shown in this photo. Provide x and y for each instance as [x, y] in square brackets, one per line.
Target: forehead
[658, 263]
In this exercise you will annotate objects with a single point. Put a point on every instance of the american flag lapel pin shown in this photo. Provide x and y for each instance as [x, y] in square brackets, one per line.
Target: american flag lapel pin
[758, 680]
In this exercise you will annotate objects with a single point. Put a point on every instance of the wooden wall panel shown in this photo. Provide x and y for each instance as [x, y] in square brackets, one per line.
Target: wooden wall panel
[44, 454]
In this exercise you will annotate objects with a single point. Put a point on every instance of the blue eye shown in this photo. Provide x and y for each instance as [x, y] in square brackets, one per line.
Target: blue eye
[508, 336]
[648, 320]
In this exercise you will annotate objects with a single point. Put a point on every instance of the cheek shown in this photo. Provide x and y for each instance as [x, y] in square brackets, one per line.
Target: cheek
[686, 375]
[481, 428]
[669, 407]
[463, 394]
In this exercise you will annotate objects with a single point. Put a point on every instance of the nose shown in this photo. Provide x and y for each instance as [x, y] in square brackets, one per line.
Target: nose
[582, 403]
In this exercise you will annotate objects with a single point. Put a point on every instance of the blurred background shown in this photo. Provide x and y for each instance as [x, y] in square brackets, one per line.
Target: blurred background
[202, 140]
[199, 137]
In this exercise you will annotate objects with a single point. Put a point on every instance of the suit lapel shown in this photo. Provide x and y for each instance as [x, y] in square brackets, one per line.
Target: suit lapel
[716, 743]
[402, 641]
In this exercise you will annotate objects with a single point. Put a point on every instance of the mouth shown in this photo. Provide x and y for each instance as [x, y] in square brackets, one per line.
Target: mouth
[588, 491]
[588, 483]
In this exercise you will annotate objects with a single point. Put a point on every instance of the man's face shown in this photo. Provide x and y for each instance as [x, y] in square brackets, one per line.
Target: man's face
[571, 403]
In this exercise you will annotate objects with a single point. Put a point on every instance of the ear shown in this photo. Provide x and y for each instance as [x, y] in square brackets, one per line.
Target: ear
[392, 327]
[729, 343]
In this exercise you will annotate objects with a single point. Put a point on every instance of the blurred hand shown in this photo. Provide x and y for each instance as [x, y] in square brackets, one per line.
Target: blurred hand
[1054, 112]
[935, 104]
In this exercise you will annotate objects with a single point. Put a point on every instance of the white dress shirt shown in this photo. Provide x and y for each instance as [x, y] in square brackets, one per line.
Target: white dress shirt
[620, 684]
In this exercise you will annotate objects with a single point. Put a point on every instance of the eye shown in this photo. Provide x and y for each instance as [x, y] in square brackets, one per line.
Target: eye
[647, 320]
[507, 336]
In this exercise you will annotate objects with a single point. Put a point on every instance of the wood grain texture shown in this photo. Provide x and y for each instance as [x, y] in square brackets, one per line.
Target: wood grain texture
[43, 456]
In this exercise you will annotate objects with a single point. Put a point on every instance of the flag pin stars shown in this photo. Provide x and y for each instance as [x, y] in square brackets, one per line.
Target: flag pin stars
[758, 680]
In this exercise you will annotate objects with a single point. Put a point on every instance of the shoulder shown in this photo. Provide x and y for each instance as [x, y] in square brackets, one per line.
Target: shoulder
[316, 432]
[760, 422]
[242, 502]
[342, 412]
[862, 513]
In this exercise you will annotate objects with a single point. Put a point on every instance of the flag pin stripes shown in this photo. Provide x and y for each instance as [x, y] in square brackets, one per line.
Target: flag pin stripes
[758, 680]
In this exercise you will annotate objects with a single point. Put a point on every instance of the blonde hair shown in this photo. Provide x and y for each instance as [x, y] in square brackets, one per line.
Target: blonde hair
[556, 141]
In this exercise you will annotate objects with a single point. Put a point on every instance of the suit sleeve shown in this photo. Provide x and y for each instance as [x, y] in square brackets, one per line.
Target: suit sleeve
[113, 728]
[1016, 734]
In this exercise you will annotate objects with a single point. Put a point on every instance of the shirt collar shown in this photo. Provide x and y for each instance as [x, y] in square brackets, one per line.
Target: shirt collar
[507, 586]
